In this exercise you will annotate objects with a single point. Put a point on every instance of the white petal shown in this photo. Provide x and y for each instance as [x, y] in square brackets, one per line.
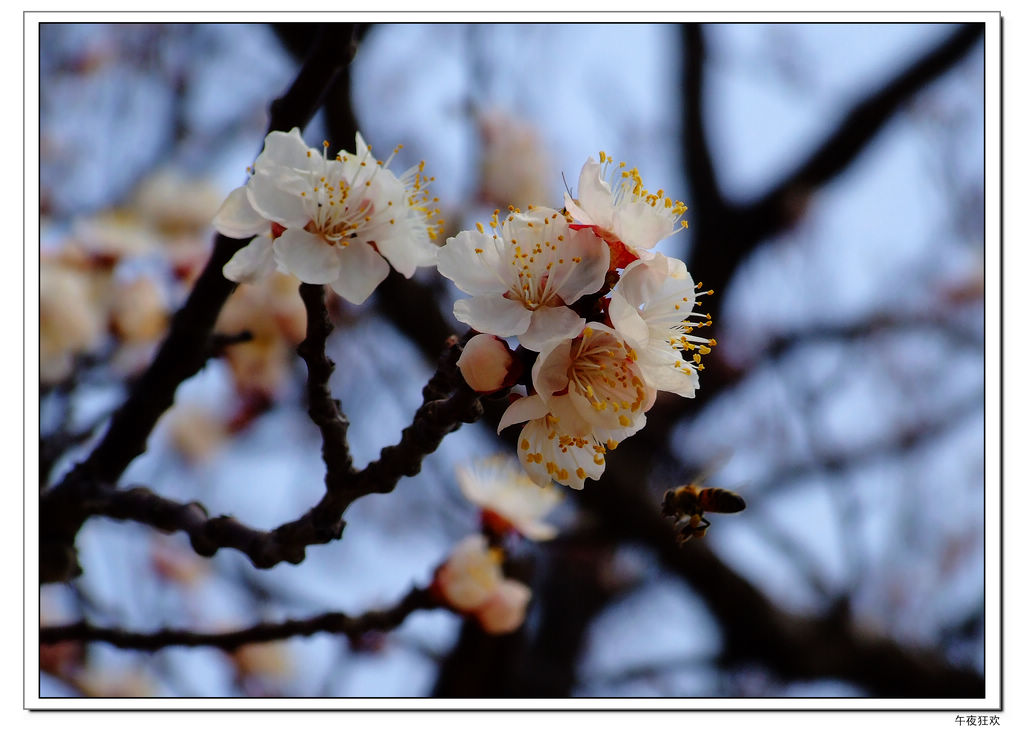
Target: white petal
[361, 146]
[659, 364]
[531, 440]
[267, 198]
[252, 262]
[579, 216]
[237, 219]
[641, 280]
[493, 314]
[669, 379]
[472, 262]
[548, 324]
[362, 269]
[569, 420]
[285, 149]
[595, 195]
[569, 461]
[628, 321]
[588, 275]
[307, 256]
[523, 410]
[640, 225]
[406, 251]
[551, 369]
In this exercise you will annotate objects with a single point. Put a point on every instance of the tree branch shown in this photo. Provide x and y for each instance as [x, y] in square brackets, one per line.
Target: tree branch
[336, 623]
[705, 192]
[857, 129]
[448, 402]
[725, 235]
[324, 410]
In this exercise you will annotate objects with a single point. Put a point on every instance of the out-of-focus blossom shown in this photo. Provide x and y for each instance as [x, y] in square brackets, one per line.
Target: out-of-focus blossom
[168, 217]
[614, 203]
[471, 582]
[266, 660]
[471, 574]
[591, 395]
[508, 496]
[652, 307]
[176, 206]
[329, 221]
[113, 235]
[523, 280]
[504, 610]
[174, 563]
[94, 682]
[62, 659]
[273, 313]
[487, 364]
[195, 431]
[138, 311]
[514, 167]
[71, 321]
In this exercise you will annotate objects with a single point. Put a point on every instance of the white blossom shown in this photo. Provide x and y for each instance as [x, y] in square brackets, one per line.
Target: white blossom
[591, 395]
[652, 307]
[613, 201]
[328, 220]
[523, 277]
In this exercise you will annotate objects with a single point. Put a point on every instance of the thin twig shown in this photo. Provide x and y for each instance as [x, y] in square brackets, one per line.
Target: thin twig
[333, 622]
[323, 523]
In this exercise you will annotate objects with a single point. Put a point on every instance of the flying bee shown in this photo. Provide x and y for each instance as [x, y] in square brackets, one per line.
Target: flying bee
[688, 504]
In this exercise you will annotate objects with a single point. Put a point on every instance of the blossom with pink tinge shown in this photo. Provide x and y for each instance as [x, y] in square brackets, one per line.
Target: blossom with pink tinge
[470, 575]
[471, 582]
[505, 610]
[591, 395]
[613, 201]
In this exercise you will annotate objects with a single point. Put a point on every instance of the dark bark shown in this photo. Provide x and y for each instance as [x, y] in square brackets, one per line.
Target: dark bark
[337, 623]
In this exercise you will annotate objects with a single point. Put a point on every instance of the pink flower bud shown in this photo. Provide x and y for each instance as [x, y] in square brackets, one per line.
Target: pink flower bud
[470, 575]
[505, 610]
[487, 364]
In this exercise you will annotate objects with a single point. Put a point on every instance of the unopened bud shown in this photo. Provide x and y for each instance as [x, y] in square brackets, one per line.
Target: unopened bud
[505, 610]
[487, 364]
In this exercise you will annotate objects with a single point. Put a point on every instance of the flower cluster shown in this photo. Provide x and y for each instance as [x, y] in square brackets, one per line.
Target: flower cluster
[605, 322]
[572, 304]
[339, 221]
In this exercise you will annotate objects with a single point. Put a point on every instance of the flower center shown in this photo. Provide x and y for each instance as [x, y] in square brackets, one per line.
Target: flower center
[606, 374]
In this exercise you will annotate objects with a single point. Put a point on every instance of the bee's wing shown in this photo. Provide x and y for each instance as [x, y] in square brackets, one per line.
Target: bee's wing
[711, 467]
